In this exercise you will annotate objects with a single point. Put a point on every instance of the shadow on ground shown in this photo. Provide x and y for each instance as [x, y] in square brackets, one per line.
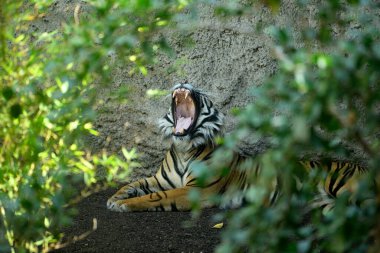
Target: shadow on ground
[139, 232]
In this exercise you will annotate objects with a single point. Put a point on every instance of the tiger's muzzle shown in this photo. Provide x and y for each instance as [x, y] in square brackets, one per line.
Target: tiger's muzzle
[184, 111]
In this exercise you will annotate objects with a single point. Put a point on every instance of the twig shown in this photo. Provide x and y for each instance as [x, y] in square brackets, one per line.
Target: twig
[87, 192]
[346, 123]
[77, 238]
[363, 143]
[76, 14]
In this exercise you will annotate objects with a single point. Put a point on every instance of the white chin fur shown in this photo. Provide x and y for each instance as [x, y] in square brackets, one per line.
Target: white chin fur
[182, 143]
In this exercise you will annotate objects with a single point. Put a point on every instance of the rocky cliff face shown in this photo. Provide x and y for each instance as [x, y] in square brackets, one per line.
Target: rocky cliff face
[224, 57]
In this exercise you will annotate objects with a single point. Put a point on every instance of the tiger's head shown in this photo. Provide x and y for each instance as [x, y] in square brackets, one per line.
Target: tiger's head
[192, 120]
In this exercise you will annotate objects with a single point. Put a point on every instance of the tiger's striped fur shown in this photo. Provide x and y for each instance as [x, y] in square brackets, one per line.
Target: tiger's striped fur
[192, 124]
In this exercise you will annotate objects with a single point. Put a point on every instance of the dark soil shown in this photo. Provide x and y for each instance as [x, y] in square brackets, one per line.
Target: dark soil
[139, 232]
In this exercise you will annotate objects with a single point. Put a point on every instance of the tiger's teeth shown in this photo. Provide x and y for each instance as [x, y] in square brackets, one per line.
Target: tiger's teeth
[181, 131]
[173, 128]
[187, 93]
[176, 100]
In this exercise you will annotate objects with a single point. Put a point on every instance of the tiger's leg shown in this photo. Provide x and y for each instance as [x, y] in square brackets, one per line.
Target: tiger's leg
[171, 200]
[138, 188]
[165, 179]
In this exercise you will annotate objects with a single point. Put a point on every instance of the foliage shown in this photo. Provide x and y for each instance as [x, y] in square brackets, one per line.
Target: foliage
[47, 100]
[323, 100]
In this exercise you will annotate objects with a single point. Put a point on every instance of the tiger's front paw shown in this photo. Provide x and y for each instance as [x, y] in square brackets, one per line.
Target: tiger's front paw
[117, 205]
[127, 192]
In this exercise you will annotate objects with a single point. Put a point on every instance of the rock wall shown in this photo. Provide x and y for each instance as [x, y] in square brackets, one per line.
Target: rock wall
[226, 58]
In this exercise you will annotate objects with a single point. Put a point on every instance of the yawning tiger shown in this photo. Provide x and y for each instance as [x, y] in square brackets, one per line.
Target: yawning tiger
[192, 124]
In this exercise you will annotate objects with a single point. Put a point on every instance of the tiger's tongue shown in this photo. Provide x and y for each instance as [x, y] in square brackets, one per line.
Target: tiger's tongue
[182, 123]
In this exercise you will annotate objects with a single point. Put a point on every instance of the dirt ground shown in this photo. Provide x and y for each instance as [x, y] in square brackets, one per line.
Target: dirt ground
[139, 232]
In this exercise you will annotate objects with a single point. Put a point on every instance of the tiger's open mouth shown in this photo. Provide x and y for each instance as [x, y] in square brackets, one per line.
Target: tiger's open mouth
[184, 114]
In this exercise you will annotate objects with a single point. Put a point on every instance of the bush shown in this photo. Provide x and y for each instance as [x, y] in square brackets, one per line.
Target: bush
[47, 100]
[323, 101]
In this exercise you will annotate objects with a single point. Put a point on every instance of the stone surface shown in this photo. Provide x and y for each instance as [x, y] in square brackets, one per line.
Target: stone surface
[225, 58]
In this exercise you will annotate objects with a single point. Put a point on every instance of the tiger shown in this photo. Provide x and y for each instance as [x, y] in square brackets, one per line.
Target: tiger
[192, 126]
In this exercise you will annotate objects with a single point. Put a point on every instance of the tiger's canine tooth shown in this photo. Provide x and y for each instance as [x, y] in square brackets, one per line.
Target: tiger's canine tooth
[181, 131]
[187, 93]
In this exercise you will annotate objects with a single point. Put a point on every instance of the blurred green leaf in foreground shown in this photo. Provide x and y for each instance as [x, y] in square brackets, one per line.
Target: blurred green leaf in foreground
[47, 96]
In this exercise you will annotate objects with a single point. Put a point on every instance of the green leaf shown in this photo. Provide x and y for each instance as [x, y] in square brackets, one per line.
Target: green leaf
[15, 110]
[303, 246]
[143, 4]
[143, 70]
[8, 93]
